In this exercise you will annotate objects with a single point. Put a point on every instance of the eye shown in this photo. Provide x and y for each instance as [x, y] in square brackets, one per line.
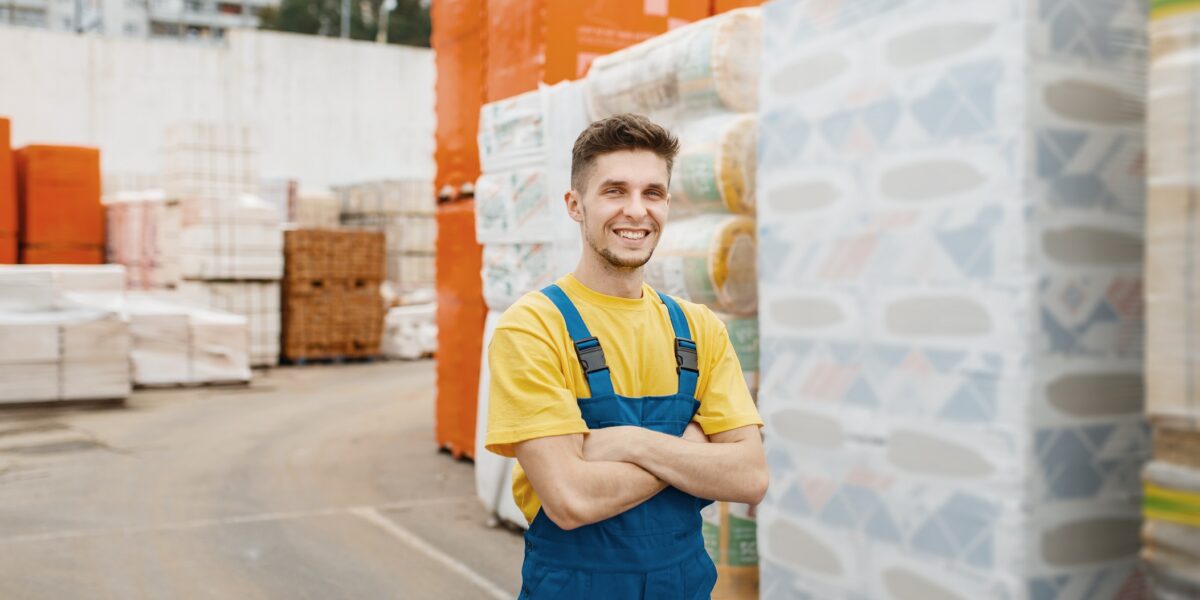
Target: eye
[611, 191]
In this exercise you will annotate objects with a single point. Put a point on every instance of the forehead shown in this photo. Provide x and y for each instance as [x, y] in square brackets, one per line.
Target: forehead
[636, 167]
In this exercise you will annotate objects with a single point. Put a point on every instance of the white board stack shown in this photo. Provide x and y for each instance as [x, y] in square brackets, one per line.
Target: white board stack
[951, 203]
[177, 344]
[62, 335]
[257, 301]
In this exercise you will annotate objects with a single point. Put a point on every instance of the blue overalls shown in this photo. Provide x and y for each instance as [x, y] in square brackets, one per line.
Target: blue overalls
[654, 550]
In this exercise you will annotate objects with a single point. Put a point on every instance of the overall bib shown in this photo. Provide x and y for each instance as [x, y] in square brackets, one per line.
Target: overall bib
[654, 550]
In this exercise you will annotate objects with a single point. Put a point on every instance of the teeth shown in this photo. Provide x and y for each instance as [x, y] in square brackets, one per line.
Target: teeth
[632, 235]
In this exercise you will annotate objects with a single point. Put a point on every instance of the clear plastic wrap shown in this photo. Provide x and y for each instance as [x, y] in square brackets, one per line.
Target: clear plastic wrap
[715, 169]
[951, 203]
[708, 259]
[705, 66]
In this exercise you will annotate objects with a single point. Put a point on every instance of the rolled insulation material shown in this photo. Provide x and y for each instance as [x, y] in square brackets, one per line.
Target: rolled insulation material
[710, 64]
[710, 260]
[715, 169]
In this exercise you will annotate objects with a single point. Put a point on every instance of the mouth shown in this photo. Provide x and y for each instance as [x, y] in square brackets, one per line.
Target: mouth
[632, 237]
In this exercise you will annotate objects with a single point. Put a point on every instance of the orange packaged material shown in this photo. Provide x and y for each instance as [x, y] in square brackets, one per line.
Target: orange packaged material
[721, 6]
[58, 190]
[545, 41]
[458, 39]
[62, 255]
[460, 315]
[8, 197]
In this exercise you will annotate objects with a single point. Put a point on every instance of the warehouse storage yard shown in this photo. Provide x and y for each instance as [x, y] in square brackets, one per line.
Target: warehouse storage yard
[248, 282]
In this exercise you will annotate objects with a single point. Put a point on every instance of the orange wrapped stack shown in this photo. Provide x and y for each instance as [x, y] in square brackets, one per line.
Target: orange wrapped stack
[460, 315]
[8, 197]
[458, 39]
[721, 6]
[58, 194]
[543, 41]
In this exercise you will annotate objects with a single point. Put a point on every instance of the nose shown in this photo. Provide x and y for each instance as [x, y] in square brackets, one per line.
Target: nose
[636, 207]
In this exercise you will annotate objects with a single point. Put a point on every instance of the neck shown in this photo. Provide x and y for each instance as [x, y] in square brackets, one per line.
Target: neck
[601, 276]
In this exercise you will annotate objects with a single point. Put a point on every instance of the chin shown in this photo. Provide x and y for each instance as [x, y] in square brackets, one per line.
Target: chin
[626, 261]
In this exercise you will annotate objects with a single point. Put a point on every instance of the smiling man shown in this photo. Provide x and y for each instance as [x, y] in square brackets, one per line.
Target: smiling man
[625, 408]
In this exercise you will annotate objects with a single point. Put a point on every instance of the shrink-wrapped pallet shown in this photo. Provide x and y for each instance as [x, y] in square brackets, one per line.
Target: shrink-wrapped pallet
[257, 301]
[144, 230]
[210, 160]
[708, 65]
[410, 332]
[950, 203]
[708, 259]
[315, 208]
[234, 238]
[177, 344]
[71, 354]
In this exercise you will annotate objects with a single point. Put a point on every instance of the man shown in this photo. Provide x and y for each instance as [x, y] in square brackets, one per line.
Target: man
[626, 409]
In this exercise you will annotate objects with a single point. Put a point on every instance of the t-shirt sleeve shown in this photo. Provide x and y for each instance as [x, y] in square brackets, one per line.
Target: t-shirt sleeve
[528, 396]
[725, 401]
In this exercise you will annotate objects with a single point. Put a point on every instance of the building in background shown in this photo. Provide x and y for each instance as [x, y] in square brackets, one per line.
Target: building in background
[140, 18]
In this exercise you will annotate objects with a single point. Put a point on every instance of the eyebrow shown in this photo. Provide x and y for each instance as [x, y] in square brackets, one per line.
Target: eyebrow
[621, 183]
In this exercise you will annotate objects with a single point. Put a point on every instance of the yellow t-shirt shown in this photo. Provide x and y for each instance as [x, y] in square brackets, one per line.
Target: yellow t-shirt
[536, 378]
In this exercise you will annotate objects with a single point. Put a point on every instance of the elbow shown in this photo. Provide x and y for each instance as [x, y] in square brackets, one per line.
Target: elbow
[758, 487]
[565, 511]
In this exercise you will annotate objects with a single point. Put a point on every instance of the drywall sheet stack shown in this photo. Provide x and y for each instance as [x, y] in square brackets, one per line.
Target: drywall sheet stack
[404, 211]
[332, 307]
[257, 301]
[951, 205]
[144, 231]
[410, 332]
[1172, 480]
[62, 336]
[177, 344]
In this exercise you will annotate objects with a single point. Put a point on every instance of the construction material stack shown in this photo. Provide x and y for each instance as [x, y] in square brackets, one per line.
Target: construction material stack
[174, 344]
[1171, 480]
[403, 210]
[62, 335]
[951, 204]
[144, 230]
[61, 219]
[8, 196]
[702, 82]
[231, 246]
[529, 240]
[332, 308]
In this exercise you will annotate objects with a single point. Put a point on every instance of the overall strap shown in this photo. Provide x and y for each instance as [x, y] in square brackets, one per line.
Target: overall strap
[686, 360]
[587, 347]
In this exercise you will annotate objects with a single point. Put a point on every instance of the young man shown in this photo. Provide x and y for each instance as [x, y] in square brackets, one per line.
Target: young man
[626, 409]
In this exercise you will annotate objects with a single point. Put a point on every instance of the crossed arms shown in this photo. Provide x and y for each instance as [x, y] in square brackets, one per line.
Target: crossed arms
[581, 480]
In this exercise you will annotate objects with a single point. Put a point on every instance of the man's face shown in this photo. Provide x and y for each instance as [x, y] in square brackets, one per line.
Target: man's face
[624, 207]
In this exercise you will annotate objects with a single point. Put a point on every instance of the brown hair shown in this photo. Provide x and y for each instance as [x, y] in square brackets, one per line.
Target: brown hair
[616, 133]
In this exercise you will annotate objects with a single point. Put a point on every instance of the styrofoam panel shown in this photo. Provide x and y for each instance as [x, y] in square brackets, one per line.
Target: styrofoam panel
[950, 205]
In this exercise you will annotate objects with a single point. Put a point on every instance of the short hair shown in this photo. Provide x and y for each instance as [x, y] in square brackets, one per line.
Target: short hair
[614, 134]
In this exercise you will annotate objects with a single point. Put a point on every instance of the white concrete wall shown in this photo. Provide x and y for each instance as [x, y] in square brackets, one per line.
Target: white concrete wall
[325, 111]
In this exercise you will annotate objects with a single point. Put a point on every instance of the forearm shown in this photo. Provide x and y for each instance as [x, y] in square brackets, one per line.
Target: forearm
[605, 489]
[731, 472]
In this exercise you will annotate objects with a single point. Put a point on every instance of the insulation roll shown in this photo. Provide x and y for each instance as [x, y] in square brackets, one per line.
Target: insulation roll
[709, 259]
[710, 64]
[715, 169]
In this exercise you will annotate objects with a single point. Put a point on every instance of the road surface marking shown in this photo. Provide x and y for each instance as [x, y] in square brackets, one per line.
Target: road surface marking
[217, 522]
[373, 515]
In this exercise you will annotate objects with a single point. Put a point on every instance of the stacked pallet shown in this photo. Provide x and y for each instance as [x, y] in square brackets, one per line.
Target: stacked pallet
[1171, 480]
[332, 306]
[231, 245]
[404, 212]
[175, 344]
[8, 197]
[61, 220]
[144, 230]
[62, 335]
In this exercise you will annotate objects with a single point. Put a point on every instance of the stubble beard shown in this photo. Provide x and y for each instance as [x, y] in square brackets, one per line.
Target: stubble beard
[610, 257]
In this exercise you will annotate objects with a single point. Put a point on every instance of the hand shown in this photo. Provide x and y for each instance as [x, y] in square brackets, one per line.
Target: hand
[610, 443]
[695, 433]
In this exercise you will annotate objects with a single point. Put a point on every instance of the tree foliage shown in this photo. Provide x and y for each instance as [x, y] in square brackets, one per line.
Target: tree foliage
[408, 23]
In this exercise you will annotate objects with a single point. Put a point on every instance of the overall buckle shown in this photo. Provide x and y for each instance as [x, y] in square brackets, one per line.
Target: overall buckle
[591, 357]
[686, 358]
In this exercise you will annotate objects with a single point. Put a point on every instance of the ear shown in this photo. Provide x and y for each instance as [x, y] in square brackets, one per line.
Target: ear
[574, 205]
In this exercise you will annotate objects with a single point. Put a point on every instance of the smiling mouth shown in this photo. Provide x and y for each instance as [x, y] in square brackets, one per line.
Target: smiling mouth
[631, 234]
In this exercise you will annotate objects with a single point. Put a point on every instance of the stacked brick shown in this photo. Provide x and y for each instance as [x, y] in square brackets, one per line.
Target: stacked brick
[332, 306]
